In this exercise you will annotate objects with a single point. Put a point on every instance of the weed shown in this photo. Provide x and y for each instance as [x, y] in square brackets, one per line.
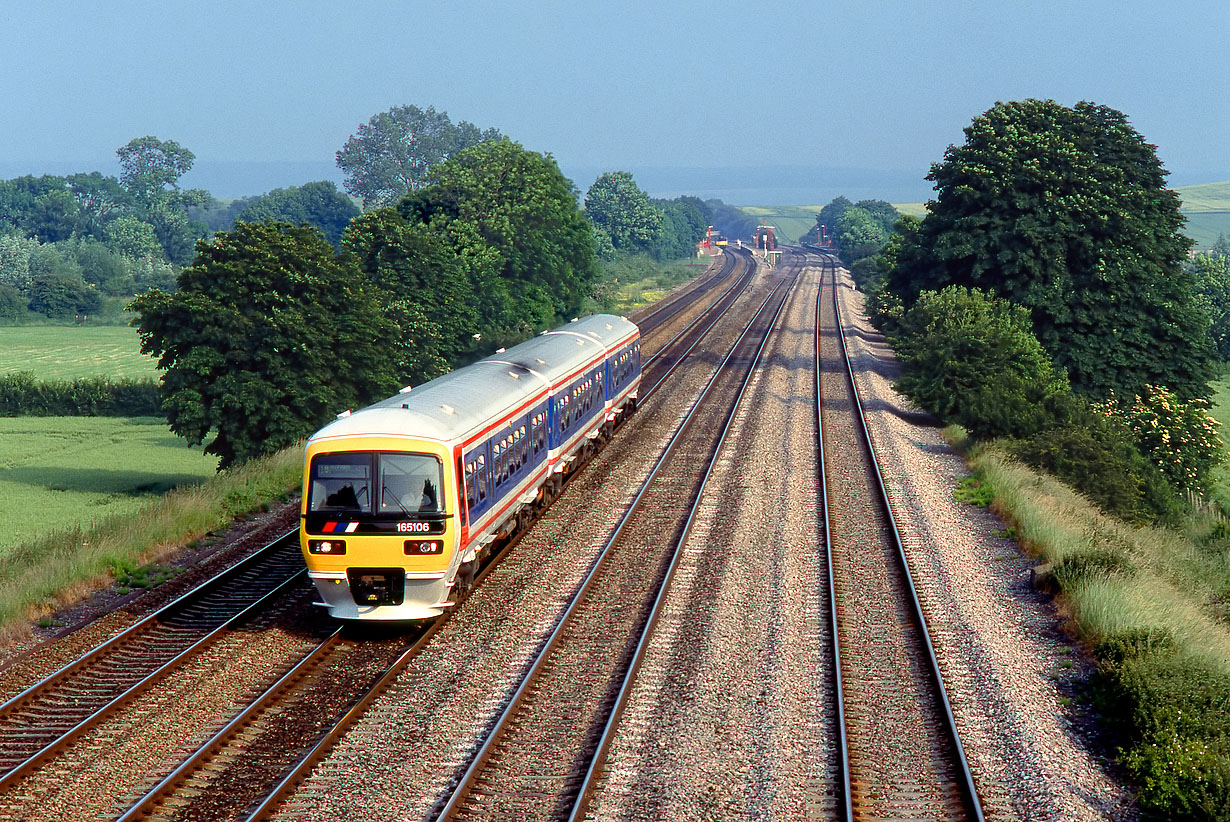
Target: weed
[974, 491]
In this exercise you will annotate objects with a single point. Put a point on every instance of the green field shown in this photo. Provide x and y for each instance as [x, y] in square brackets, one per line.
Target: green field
[70, 352]
[58, 472]
[789, 222]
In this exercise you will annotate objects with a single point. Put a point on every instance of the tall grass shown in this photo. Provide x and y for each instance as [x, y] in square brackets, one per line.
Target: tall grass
[57, 568]
[1152, 604]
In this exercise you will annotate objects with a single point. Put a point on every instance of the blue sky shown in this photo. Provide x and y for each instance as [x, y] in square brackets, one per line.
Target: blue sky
[854, 85]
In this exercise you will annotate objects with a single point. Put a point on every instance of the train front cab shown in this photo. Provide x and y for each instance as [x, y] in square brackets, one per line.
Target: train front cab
[380, 526]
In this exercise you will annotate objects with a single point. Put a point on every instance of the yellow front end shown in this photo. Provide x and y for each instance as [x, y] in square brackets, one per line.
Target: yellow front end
[379, 526]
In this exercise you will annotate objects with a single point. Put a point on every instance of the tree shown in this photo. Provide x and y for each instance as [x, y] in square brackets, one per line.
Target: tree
[1065, 211]
[388, 157]
[615, 203]
[859, 234]
[683, 226]
[511, 219]
[1212, 273]
[267, 337]
[152, 167]
[423, 288]
[316, 204]
[99, 200]
[132, 237]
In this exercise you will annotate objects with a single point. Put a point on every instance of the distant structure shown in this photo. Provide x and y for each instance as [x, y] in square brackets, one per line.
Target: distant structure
[764, 239]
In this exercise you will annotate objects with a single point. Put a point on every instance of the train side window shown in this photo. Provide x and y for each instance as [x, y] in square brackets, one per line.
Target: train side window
[481, 477]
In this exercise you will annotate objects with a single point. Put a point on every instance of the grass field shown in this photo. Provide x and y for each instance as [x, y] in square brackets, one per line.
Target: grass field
[59, 472]
[790, 222]
[70, 352]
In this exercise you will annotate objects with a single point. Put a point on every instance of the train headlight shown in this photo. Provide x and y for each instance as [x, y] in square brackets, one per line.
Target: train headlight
[327, 546]
[424, 547]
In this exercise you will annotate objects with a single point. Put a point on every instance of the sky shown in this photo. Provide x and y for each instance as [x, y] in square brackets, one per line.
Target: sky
[869, 91]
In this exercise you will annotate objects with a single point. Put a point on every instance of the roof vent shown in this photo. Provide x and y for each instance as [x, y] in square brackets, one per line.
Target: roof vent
[448, 409]
[405, 390]
[514, 375]
[344, 414]
[574, 319]
[540, 361]
[405, 405]
[500, 350]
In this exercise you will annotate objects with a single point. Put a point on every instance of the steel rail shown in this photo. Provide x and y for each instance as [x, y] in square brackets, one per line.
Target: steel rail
[216, 743]
[684, 296]
[462, 789]
[968, 788]
[379, 686]
[140, 686]
[842, 751]
[625, 690]
[144, 684]
[714, 312]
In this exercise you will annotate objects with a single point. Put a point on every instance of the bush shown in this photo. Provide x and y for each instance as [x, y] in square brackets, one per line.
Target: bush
[1179, 436]
[1104, 466]
[22, 396]
[1172, 714]
[972, 359]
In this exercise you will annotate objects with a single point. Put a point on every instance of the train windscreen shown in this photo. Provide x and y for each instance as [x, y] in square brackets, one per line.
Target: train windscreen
[375, 483]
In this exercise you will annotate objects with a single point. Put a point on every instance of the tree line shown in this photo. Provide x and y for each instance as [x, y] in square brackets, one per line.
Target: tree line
[467, 242]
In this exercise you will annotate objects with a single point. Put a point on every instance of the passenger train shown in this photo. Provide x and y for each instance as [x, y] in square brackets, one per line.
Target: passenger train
[402, 500]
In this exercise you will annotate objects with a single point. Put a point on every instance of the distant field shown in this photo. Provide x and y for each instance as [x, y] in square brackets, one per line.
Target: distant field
[57, 472]
[71, 352]
[1207, 208]
[791, 222]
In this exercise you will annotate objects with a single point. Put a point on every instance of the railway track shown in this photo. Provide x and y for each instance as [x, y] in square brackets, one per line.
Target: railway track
[672, 352]
[901, 752]
[539, 759]
[248, 765]
[45, 718]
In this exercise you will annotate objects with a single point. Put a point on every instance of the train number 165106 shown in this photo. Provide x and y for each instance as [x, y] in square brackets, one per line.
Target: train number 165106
[414, 527]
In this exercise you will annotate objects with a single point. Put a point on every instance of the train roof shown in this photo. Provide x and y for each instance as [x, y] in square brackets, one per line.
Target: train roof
[460, 403]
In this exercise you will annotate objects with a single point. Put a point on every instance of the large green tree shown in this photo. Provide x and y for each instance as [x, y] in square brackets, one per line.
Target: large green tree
[618, 206]
[1066, 212]
[388, 157]
[150, 172]
[424, 289]
[267, 338]
[511, 219]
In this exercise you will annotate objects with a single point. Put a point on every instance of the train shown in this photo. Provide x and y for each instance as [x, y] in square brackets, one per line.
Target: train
[404, 499]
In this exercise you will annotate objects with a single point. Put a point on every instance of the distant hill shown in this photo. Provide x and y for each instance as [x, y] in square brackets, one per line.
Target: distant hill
[1207, 208]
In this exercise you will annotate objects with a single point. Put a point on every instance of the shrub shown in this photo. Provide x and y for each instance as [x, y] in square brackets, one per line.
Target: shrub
[1104, 466]
[1179, 436]
[1172, 713]
[972, 359]
[23, 396]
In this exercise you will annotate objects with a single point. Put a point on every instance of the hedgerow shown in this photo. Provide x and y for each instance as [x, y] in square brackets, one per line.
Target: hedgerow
[21, 395]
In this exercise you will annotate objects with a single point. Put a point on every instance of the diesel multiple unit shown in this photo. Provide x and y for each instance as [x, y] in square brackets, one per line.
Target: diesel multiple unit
[403, 499]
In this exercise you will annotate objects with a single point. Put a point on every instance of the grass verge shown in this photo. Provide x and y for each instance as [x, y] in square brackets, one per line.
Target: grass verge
[631, 282]
[59, 567]
[1152, 606]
